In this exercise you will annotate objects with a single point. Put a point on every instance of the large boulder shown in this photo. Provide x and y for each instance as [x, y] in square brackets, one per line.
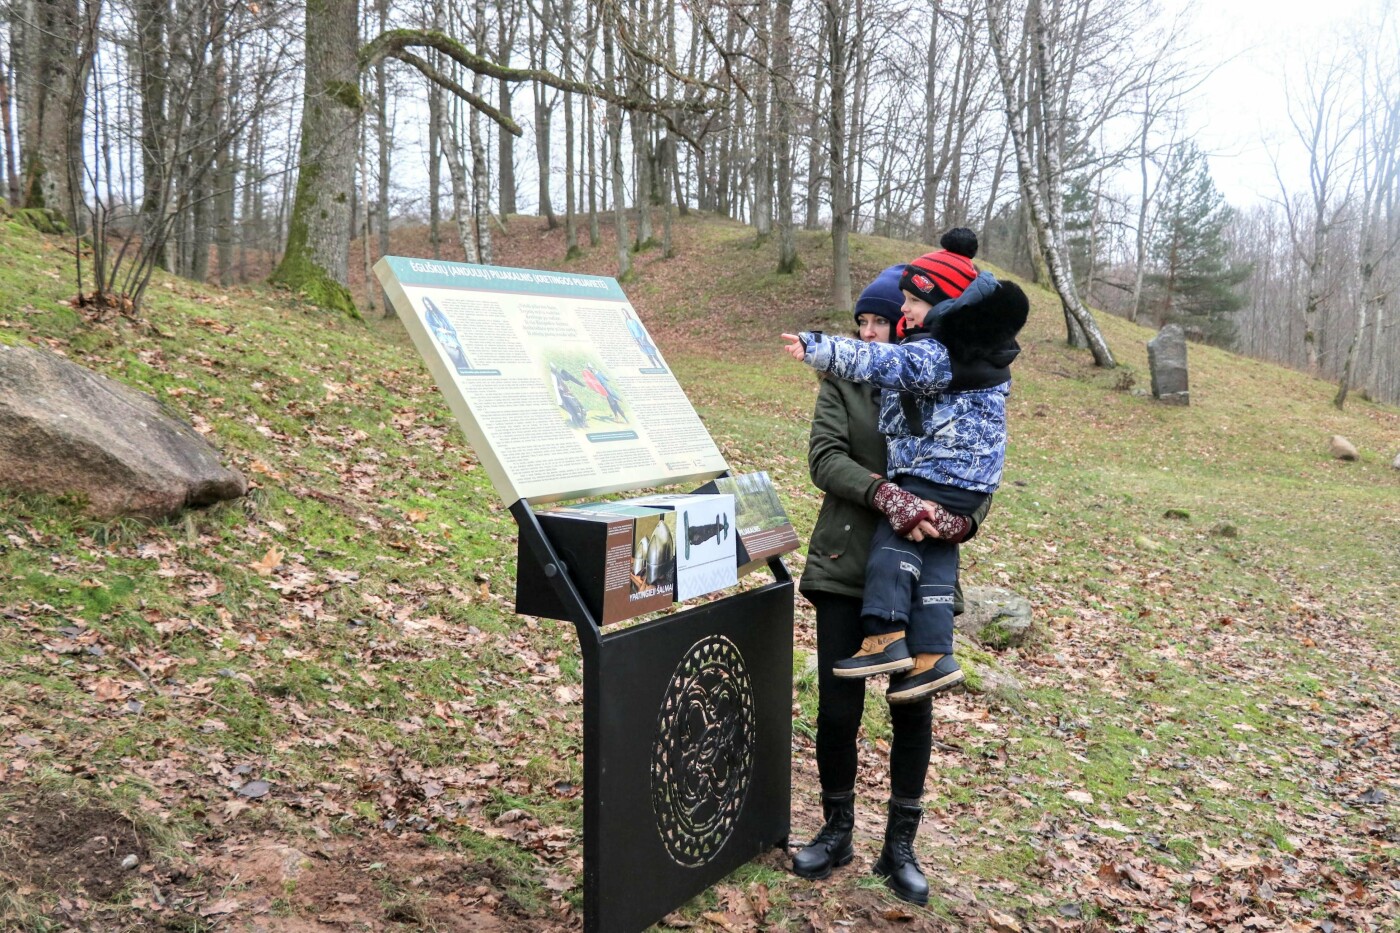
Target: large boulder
[1166, 357]
[65, 430]
[994, 617]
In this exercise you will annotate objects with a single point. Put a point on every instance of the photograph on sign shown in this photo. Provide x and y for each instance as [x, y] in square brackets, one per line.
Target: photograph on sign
[705, 541]
[764, 527]
[557, 384]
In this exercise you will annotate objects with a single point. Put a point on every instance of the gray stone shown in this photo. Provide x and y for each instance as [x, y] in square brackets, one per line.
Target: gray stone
[995, 682]
[1343, 449]
[994, 617]
[1395, 464]
[1166, 357]
[65, 430]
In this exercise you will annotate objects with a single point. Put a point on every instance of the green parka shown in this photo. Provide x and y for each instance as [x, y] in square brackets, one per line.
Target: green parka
[846, 458]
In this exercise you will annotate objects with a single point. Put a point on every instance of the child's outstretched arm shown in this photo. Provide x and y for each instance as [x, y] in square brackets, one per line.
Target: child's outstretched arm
[922, 367]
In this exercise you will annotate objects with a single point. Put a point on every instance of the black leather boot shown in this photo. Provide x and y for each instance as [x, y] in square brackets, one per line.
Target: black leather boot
[898, 865]
[832, 846]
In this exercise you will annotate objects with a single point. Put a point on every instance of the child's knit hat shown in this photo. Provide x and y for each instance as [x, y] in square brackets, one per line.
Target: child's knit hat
[883, 297]
[945, 273]
[938, 276]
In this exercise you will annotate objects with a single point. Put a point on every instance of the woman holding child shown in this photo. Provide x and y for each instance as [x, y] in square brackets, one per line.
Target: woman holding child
[849, 459]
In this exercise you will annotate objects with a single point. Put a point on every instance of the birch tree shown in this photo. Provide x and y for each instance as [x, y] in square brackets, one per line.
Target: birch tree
[1039, 207]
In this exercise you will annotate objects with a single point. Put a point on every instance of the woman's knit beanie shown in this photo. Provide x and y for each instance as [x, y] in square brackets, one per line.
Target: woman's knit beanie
[882, 296]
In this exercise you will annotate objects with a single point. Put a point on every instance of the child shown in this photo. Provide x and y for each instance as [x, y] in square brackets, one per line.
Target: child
[943, 413]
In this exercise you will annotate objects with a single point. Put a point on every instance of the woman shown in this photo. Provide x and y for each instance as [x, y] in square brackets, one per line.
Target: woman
[846, 456]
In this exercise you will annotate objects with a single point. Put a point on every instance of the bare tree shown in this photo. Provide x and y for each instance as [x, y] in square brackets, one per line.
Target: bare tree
[51, 44]
[1042, 214]
[841, 26]
[507, 26]
[784, 99]
[1377, 65]
[1324, 127]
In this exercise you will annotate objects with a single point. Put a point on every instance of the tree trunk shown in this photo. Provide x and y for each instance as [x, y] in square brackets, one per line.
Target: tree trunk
[783, 102]
[837, 47]
[505, 142]
[11, 179]
[928, 230]
[571, 248]
[1140, 242]
[223, 172]
[1031, 196]
[624, 255]
[316, 261]
[150, 50]
[595, 234]
[763, 131]
[481, 184]
[51, 75]
[461, 200]
[641, 156]
[252, 177]
[667, 211]
[544, 113]
[812, 217]
[1313, 303]
[383, 148]
[435, 108]
[641, 128]
[366, 253]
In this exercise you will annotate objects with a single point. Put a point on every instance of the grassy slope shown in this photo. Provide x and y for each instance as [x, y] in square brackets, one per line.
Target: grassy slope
[1203, 714]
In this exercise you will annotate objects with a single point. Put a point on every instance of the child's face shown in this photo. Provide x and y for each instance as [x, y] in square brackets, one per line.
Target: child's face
[915, 309]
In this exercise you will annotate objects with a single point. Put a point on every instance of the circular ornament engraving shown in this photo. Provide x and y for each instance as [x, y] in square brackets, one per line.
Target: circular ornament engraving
[702, 758]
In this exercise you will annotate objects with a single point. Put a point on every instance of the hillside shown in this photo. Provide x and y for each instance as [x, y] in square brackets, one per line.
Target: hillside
[1206, 735]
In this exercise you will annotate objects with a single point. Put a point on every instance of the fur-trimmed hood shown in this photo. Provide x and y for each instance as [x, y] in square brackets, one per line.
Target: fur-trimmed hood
[982, 322]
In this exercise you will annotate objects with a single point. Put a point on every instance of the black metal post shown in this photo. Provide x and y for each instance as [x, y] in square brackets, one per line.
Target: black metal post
[664, 814]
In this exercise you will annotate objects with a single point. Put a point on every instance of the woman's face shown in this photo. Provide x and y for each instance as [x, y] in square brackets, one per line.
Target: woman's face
[873, 328]
[915, 309]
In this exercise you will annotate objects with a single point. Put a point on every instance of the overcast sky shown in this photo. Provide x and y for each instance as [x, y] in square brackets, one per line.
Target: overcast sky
[1241, 111]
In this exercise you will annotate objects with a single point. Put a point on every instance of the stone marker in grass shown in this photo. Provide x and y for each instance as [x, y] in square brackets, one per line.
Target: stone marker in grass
[1166, 357]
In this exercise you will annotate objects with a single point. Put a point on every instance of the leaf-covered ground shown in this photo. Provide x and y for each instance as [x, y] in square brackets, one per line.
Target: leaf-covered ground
[314, 709]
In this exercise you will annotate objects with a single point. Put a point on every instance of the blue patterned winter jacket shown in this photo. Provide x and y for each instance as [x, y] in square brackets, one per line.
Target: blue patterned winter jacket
[960, 437]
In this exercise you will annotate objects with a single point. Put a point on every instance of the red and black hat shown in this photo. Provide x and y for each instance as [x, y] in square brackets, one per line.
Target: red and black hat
[938, 276]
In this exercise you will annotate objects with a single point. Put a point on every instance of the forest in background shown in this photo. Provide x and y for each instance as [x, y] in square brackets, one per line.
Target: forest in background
[235, 140]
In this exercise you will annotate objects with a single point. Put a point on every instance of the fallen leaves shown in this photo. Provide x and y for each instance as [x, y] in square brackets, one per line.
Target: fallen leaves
[226, 905]
[1000, 922]
[269, 561]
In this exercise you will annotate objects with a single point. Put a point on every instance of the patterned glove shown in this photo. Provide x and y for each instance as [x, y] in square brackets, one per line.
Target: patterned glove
[946, 525]
[904, 509]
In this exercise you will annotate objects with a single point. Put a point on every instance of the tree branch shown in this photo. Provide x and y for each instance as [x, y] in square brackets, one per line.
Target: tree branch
[394, 43]
[432, 74]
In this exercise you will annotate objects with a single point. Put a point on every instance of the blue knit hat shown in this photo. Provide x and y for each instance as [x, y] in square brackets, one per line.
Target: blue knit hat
[883, 296]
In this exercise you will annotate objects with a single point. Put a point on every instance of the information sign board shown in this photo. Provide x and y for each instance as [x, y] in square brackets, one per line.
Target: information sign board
[559, 388]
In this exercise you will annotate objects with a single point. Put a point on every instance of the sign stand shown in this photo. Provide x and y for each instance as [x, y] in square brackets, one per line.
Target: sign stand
[687, 719]
[687, 737]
